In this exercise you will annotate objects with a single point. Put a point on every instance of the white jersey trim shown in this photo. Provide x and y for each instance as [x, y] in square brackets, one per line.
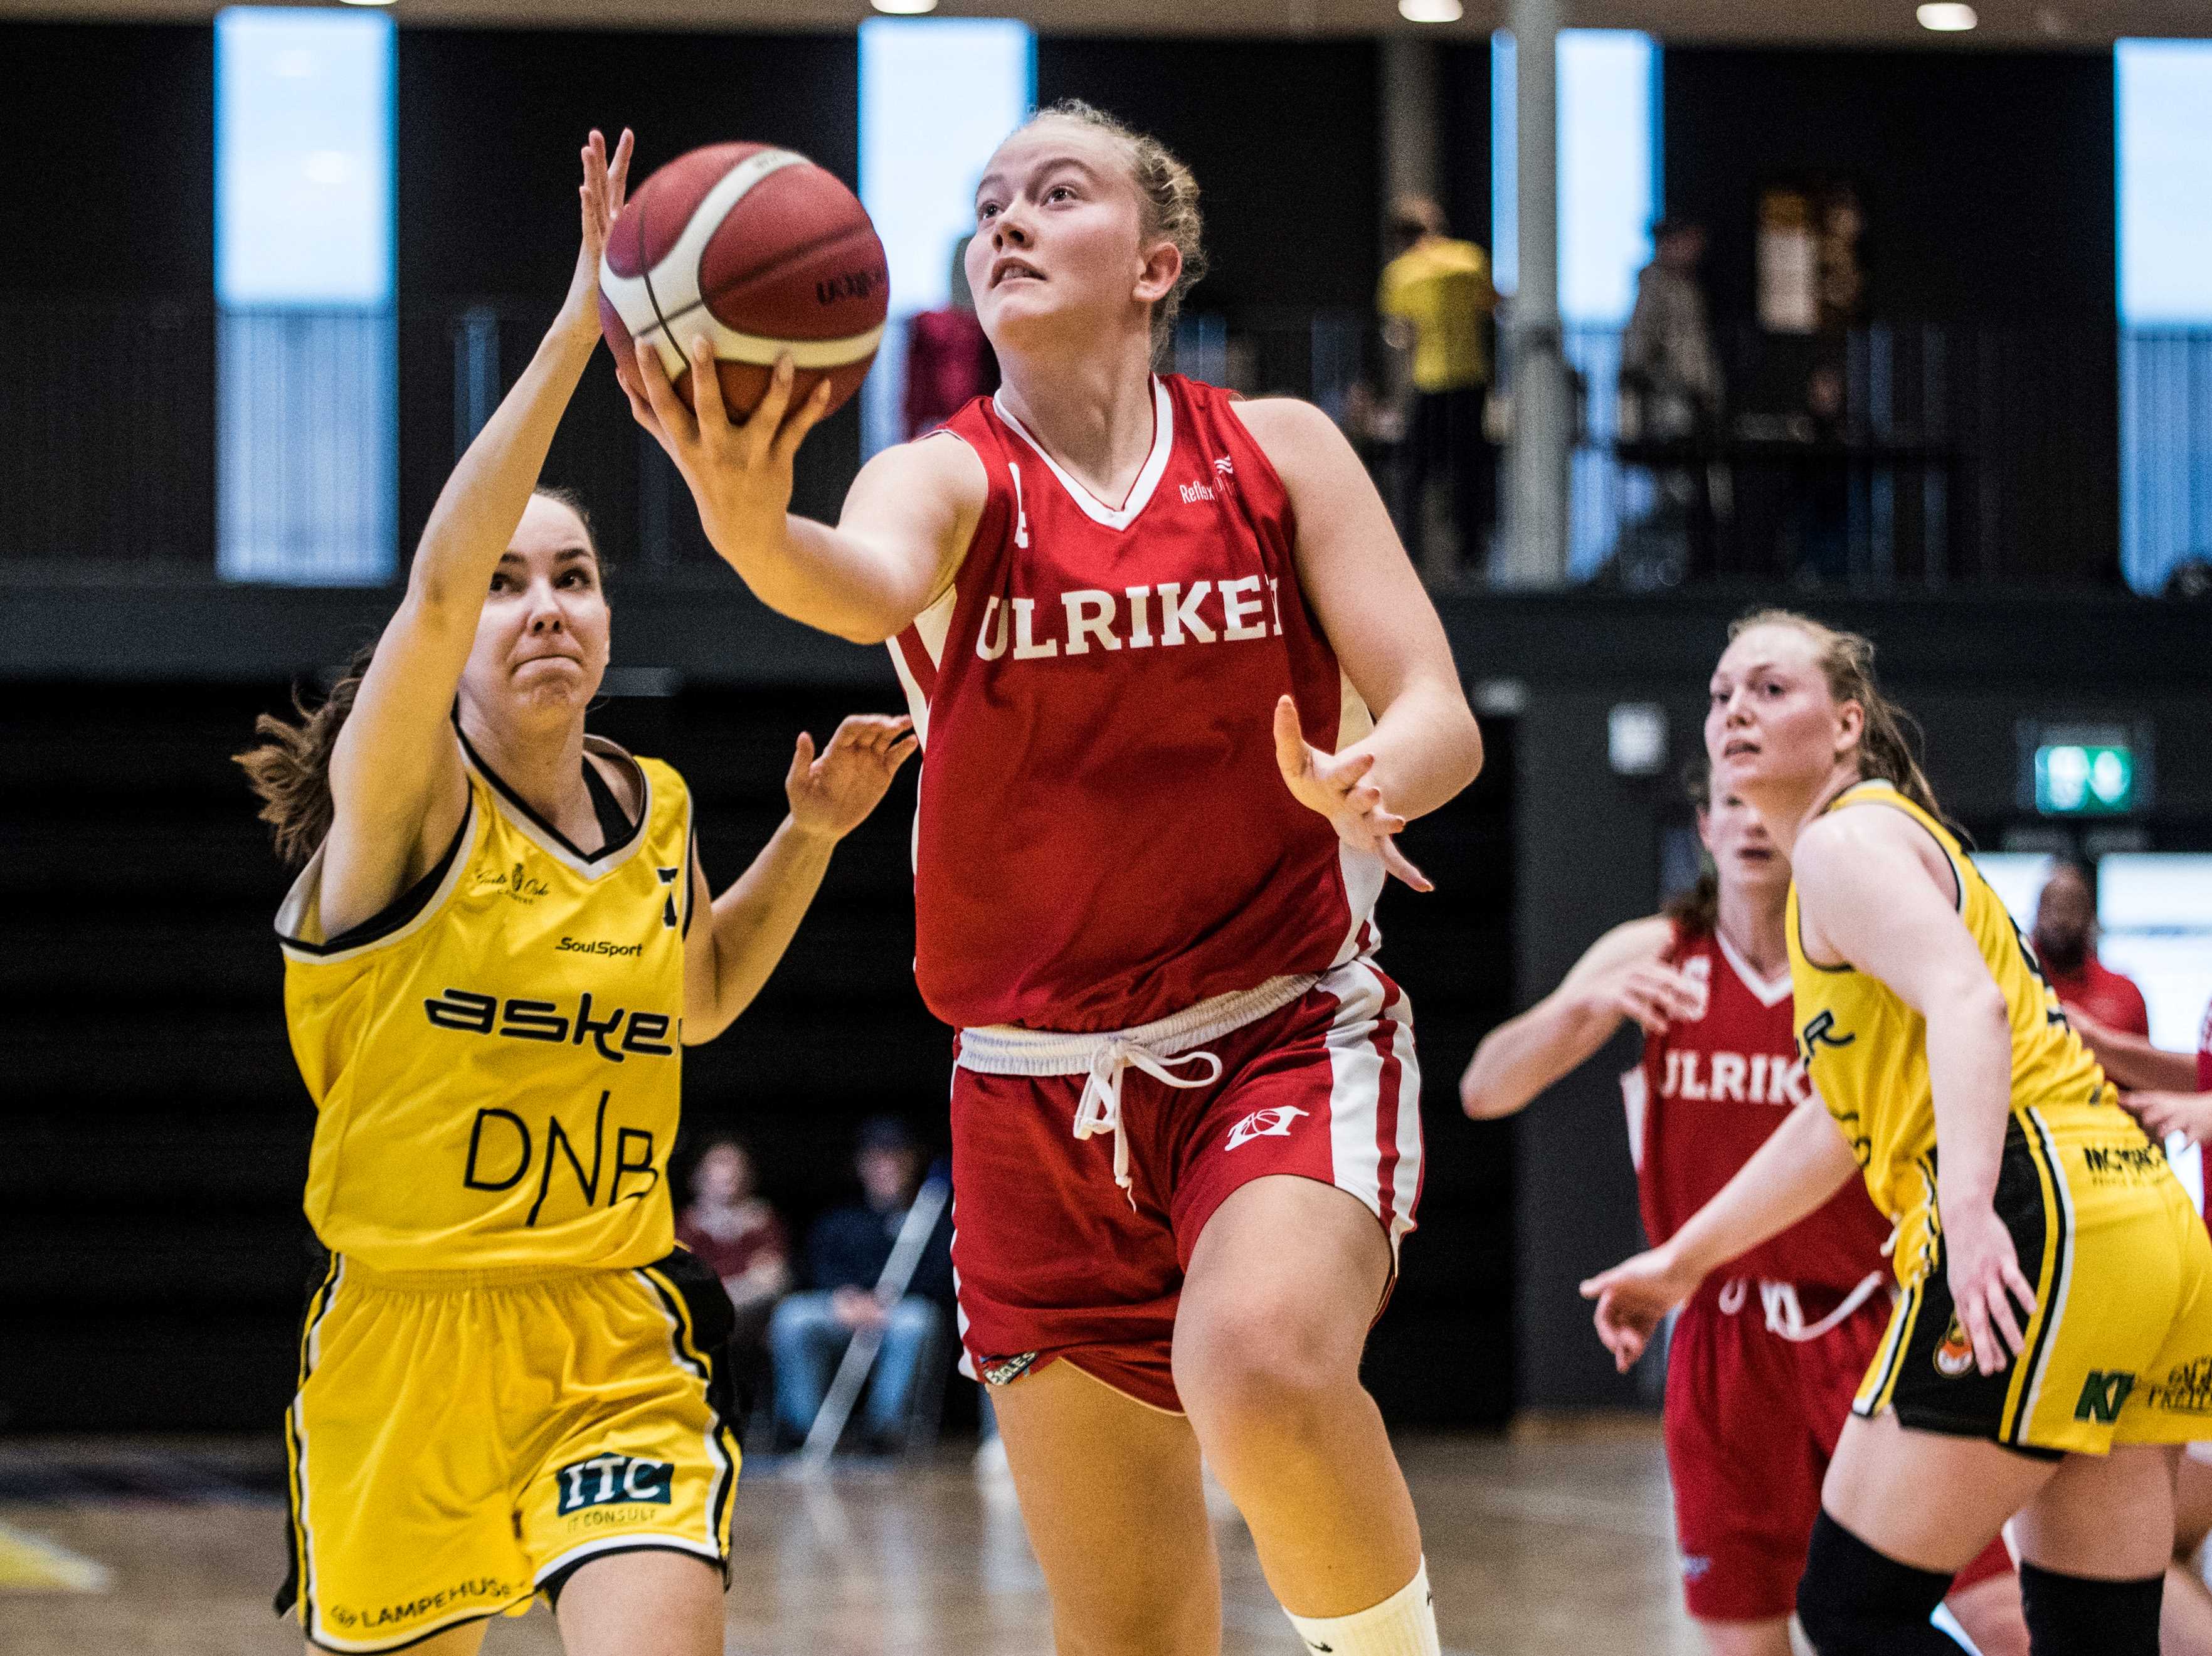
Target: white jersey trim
[1769, 992]
[1148, 479]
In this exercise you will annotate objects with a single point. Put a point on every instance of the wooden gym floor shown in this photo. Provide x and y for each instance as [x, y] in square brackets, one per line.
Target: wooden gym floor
[1541, 1546]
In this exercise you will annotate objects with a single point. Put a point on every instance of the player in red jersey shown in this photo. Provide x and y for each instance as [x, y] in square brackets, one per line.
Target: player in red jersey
[2065, 939]
[1178, 687]
[1764, 1359]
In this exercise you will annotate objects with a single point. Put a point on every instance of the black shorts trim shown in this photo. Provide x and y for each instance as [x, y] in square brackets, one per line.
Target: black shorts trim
[695, 1298]
[1928, 1390]
[295, 1484]
[551, 1586]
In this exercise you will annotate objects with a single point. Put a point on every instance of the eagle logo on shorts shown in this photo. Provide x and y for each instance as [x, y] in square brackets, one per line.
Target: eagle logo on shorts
[1956, 1354]
[1273, 1123]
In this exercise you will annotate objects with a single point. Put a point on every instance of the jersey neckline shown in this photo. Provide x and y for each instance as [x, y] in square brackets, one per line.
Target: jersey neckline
[1768, 991]
[548, 839]
[1148, 478]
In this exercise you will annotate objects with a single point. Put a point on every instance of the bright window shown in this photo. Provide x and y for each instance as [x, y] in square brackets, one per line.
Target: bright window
[2164, 90]
[307, 470]
[303, 157]
[937, 97]
[1607, 168]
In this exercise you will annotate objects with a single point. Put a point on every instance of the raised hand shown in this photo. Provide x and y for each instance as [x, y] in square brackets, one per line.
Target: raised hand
[601, 196]
[833, 795]
[1335, 786]
[1633, 1298]
[1653, 994]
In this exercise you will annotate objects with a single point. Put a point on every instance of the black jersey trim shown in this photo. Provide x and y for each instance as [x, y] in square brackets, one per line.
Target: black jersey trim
[614, 822]
[586, 859]
[401, 909]
[413, 909]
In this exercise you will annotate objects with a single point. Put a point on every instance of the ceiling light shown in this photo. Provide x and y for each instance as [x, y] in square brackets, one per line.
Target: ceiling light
[1430, 11]
[905, 8]
[368, 3]
[1947, 16]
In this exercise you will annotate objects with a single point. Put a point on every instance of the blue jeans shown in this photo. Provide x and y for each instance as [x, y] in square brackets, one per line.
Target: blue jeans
[806, 1340]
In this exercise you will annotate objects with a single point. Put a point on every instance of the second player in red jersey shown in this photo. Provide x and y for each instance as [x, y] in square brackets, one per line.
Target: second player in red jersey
[1178, 689]
[1764, 1359]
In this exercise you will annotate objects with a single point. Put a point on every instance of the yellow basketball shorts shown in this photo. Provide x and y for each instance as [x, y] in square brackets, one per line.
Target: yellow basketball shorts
[2119, 1349]
[463, 1441]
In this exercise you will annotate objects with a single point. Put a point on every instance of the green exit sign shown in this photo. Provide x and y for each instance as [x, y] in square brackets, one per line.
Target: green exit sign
[2080, 779]
[2086, 767]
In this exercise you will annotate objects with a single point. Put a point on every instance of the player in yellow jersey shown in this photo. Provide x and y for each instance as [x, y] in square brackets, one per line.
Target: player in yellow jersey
[2053, 1339]
[512, 1381]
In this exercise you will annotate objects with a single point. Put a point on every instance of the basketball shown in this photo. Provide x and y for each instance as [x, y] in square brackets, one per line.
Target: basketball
[760, 251]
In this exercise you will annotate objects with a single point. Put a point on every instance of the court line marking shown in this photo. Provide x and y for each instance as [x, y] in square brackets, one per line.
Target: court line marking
[31, 1563]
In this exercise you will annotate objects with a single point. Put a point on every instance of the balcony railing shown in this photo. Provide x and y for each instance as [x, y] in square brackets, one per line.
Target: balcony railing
[1951, 456]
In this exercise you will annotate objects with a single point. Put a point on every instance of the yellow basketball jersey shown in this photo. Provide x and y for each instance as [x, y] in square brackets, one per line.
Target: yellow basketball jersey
[1867, 1051]
[496, 1061]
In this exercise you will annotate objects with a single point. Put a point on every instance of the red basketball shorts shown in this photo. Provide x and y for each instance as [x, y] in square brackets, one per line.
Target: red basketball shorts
[1752, 1421]
[1056, 1259]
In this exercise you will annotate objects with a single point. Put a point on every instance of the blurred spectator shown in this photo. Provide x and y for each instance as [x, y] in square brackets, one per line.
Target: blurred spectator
[846, 1252]
[1667, 356]
[2065, 938]
[949, 363]
[737, 1235]
[1437, 301]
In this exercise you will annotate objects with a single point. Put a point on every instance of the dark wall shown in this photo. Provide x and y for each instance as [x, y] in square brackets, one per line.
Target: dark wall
[111, 127]
[112, 130]
[154, 1144]
[1283, 136]
[1464, 158]
[1987, 179]
[490, 121]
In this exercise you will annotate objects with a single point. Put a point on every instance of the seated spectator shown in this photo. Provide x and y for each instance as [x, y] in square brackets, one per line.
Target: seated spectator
[846, 1252]
[2065, 939]
[737, 1235]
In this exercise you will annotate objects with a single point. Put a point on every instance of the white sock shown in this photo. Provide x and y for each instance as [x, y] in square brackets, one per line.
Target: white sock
[1404, 1624]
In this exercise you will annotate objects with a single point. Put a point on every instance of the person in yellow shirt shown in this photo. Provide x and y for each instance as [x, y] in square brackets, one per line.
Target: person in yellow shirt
[2051, 1345]
[512, 1380]
[1437, 302]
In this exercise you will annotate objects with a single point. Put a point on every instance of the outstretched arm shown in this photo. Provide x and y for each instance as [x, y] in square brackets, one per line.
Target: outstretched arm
[397, 786]
[1426, 746]
[2132, 1061]
[1804, 1162]
[906, 525]
[727, 960]
[1623, 975]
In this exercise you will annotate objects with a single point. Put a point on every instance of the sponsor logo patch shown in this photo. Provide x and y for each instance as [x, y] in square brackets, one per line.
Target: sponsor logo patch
[612, 1480]
[2186, 1389]
[2103, 1393]
[1955, 1356]
[1273, 1123]
[1004, 1371]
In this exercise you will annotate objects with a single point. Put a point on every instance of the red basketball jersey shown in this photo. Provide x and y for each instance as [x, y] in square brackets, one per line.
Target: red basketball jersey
[1702, 1101]
[1103, 837]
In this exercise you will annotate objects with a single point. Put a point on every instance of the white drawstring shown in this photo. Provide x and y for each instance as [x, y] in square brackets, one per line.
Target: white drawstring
[1786, 1317]
[1099, 1109]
